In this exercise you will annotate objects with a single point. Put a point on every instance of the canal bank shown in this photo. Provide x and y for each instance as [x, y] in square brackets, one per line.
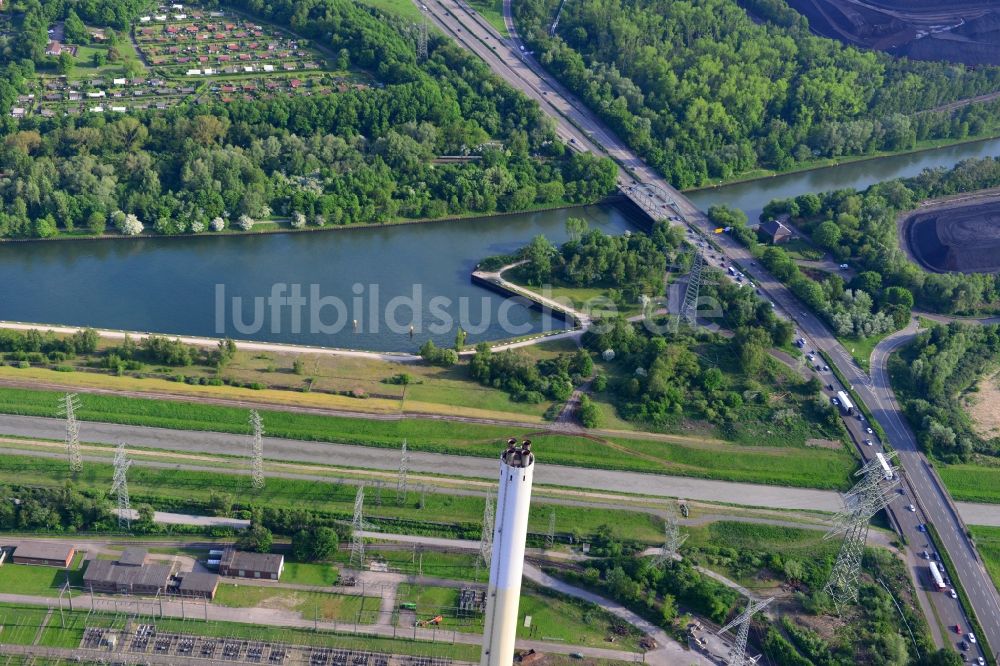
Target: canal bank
[387, 278]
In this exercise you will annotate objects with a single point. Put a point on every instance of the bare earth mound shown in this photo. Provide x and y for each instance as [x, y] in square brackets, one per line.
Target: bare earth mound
[963, 31]
[962, 238]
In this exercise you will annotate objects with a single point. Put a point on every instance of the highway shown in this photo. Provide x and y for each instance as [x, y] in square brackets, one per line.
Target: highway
[585, 131]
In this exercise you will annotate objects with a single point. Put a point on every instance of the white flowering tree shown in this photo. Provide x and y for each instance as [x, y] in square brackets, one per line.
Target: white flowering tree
[128, 225]
[217, 224]
[319, 220]
[197, 226]
[245, 223]
[298, 220]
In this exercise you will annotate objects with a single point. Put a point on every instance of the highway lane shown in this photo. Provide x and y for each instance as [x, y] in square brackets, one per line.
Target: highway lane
[654, 194]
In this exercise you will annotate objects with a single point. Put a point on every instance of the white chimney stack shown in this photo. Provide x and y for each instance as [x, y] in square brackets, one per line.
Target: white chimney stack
[517, 466]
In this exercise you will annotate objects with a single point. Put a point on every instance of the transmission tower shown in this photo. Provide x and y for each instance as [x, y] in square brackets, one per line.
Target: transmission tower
[404, 468]
[550, 536]
[119, 486]
[738, 653]
[357, 525]
[422, 39]
[486, 540]
[68, 406]
[257, 451]
[672, 542]
[869, 496]
[689, 308]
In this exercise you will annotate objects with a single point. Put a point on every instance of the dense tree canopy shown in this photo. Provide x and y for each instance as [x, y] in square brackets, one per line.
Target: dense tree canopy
[705, 92]
[364, 155]
[934, 374]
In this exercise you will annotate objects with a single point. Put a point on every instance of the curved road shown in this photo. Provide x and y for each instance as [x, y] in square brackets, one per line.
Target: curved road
[584, 130]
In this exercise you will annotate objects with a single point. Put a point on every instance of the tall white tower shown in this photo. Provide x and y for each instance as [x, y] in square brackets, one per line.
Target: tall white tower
[517, 466]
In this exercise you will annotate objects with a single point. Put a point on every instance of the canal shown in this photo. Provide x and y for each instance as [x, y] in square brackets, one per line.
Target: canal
[358, 289]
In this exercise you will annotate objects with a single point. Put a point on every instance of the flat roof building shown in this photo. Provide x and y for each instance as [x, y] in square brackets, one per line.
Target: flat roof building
[251, 565]
[44, 553]
[198, 584]
[115, 578]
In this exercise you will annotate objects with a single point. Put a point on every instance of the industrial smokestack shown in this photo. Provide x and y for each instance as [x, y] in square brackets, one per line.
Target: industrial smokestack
[517, 466]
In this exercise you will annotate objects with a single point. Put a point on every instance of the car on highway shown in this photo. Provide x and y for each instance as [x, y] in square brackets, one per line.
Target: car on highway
[981, 661]
[972, 638]
[868, 442]
[869, 431]
[963, 646]
[844, 267]
[952, 593]
[826, 368]
[835, 401]
[958, 628]
[910, 508]
[921, 528]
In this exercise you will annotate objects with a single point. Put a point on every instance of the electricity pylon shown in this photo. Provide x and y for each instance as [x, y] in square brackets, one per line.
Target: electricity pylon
[357, 525]
[672, 542]
[689, 308]
[257, 451]
[401, 480]
[550, 536]
[869, 496]
[68, 406]
[422, 39]
[119, 486]
[738, 653]
[485, 557]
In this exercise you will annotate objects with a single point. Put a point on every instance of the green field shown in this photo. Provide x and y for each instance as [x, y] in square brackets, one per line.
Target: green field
[312, 605]
[988, 544]
[300, 573]
[36, 580]
[972, 483]
[797, 466]
[18, 625]
[559, 618]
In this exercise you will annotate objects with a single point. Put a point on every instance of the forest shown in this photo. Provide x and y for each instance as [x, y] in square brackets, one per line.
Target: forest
[361, 156]
[861, 227]
[934, 375]
[703, 92]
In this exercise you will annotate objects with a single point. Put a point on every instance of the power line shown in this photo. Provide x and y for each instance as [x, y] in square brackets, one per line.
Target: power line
[869, 496]
[738, 653]
[257, 451]
[550, 536]
[119, 486]
[68, 406]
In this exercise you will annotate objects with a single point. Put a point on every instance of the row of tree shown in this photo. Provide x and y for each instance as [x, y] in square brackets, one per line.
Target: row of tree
[705, 92]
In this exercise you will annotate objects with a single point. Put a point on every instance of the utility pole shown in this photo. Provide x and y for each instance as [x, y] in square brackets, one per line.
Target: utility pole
[68, 406]
[738, 653]
[672, 541]
[869, 496]
[119, 486]
[401, 480]
[357, 525]
[257, 451]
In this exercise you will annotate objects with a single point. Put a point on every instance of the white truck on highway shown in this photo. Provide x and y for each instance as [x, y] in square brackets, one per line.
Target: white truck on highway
[936, 575]
[845, 403]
